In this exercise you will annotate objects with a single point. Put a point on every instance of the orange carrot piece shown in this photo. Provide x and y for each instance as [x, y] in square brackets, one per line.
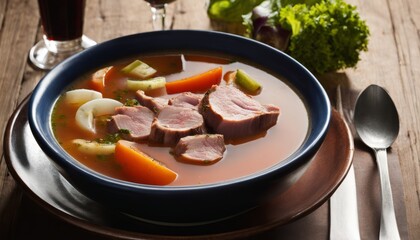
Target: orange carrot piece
[97, 82]
[141, 168]
[196, 83]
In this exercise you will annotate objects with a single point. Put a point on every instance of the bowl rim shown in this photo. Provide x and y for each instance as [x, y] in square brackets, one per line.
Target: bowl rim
[42, 130]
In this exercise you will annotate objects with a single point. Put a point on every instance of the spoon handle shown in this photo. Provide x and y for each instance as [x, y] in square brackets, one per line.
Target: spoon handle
[389, 228]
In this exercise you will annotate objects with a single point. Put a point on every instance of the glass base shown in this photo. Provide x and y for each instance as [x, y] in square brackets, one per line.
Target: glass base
[45, 59]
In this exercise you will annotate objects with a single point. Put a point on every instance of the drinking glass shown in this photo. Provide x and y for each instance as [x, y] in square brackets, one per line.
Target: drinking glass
[62, 23]
[158, 8]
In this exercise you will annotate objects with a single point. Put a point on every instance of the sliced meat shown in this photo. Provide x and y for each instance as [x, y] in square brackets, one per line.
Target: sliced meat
[134, 123]
[173, 123]
[229, 111]
[200, 149]
[153, 103]
[186, 99]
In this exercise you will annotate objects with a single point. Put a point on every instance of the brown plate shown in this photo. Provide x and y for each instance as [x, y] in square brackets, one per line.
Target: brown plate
[41, 181]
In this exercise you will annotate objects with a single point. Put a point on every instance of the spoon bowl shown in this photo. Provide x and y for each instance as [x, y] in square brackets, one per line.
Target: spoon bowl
[376, 118]
[377, 123]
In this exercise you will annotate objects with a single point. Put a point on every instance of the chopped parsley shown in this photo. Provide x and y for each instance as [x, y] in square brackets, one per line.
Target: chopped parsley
[112, 138]
[131, 102]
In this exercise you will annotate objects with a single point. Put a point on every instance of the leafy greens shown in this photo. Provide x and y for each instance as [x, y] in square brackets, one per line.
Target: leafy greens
[324, 35]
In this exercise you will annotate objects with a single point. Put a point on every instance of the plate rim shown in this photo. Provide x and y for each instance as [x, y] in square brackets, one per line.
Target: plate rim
[126, 234]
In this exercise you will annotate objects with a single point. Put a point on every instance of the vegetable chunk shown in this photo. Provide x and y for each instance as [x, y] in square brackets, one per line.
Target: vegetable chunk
[98, 79]
[140, 167]
[86, 113]
[248, 83]
[94, 148]
[146, 85]
[139, 69]
[81, 96]
[196, 83]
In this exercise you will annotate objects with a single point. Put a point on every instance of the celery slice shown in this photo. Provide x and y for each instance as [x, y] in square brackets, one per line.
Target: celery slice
[247, 82]
[139, 69]
[146, 85]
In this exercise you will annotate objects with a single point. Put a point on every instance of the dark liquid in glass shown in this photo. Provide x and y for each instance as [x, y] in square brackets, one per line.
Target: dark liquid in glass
[62, 20]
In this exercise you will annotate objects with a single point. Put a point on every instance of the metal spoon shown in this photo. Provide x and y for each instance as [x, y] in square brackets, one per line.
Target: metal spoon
[376, 121]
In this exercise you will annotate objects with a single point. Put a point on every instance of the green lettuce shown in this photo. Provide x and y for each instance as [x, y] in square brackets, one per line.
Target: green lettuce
[324, 35]
[231, 10]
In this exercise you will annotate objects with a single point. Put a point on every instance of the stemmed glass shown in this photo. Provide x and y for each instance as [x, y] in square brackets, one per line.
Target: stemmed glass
[158, 8]
[62, 22]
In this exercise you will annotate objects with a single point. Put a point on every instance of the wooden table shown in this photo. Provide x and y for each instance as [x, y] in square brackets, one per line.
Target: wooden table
[392, 61]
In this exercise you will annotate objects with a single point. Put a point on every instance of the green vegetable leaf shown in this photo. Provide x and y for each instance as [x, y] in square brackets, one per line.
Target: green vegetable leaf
[325, 37]
[294, 2]
[231, 10]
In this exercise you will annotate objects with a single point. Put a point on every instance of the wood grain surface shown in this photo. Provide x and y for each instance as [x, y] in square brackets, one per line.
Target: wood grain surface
[392, 61]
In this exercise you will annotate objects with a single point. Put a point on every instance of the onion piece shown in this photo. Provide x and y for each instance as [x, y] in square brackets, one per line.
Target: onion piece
[94, 148]
[81, 96]
[87, 112]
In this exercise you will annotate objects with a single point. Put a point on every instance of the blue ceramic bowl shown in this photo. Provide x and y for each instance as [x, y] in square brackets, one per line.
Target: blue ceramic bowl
[184, 204]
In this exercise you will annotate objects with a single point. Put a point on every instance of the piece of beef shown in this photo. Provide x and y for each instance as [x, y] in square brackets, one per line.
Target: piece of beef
[200, 149]
[229, 111]
[133, 123]
[153, 103]
[173, 123]
[186, 99]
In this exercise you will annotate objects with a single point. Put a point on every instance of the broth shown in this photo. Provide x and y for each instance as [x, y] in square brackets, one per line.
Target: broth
[241, 158]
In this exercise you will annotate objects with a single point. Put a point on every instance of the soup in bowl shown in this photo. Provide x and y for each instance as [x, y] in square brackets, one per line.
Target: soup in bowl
[180, 131]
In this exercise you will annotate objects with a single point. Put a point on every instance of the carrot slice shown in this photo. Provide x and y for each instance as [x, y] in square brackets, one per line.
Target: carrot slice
[98, 79]
[141, 168]
[97, 84]
[196, 83]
